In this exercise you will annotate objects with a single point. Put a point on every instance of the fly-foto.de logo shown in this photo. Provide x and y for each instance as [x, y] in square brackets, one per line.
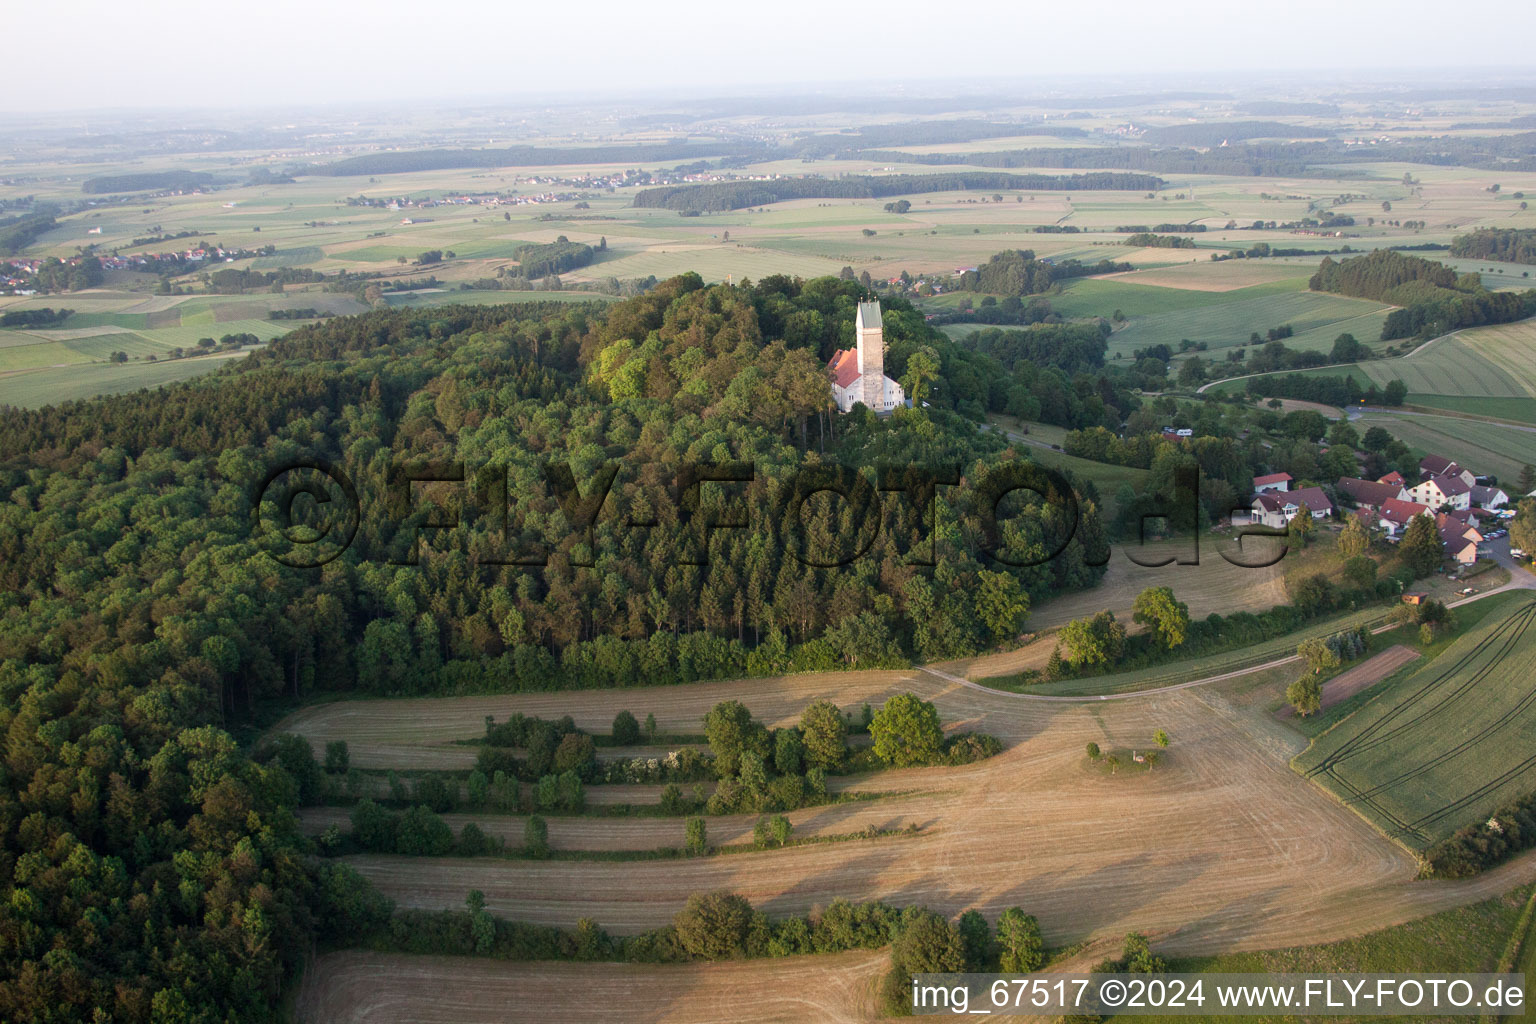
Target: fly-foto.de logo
[307, 512]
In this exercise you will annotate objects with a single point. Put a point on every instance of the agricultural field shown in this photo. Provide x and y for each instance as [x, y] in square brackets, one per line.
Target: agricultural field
[40, 366]
[1485, 371]
[1500, 449]
[34, 389]
[1227, 789]
[1447, 744]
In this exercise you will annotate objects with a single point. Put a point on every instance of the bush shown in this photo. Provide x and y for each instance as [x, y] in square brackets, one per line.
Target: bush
[337, 758]
[785, 793]
[969, 747]
[422, 833]
[1477, 847]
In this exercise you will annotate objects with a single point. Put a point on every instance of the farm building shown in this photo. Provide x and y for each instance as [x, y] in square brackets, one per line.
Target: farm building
[858, 374]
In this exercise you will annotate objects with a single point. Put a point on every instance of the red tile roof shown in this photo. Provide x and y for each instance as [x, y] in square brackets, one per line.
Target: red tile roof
[1393, 477]
[1395, 510]
[845, 367]
[1271, 478]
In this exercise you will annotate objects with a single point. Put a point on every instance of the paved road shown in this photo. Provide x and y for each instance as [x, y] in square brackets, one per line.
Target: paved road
[1354, 412]
[1519, 579]
[1410, 355]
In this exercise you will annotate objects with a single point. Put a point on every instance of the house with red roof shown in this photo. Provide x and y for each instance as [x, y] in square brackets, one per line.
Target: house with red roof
[1271, 483]
[1395, 515]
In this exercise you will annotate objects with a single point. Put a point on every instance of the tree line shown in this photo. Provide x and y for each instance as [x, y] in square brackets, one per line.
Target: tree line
[736, 195]
[1513, 245]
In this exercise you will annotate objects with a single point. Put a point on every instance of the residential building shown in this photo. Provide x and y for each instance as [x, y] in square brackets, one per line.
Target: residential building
[1489, 496]
[1369, 493]
[1439, 465]
[1396, 514]
[1273, 482]
[1440, 491]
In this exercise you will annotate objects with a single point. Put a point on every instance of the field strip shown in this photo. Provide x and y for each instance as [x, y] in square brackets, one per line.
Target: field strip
[586, 832]
[1364, 675]
[360, 987]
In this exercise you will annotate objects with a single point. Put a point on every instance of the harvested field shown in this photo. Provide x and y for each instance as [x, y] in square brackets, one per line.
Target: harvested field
[606, 834]
[420, 733]
[356, 987]
[1204, 276]
[1366, 674]
[1264, 860]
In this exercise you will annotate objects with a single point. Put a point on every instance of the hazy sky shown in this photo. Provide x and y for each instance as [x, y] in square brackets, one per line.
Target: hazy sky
[153, 53]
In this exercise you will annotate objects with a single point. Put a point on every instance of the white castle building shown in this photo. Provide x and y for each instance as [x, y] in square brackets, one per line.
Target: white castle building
[858, 374]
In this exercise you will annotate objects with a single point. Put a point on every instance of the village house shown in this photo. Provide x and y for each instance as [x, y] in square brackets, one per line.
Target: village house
[1396, 514]
[1276, 510]
[1440, 491]
[1460, 540]
[1273, 482]
[1485, 496]
[1439, 465]
[1370, 494]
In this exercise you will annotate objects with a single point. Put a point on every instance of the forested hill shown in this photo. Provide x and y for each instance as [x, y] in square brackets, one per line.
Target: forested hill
[1435, 299]
[152, 868]
[735, 195]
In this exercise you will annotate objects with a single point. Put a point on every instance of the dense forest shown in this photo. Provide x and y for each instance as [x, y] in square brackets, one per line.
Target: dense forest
[736, 195]
[154, 866]
[145, 181]
[555, 257]
[1434, 298]
[1514, 245]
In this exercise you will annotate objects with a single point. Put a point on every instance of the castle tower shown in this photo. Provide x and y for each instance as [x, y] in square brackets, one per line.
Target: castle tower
[871, 348]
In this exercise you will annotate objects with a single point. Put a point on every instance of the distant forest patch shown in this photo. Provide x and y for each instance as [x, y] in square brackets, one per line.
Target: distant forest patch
[521, 156]
[1513, 245]
[145, 181]
[735, 195]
